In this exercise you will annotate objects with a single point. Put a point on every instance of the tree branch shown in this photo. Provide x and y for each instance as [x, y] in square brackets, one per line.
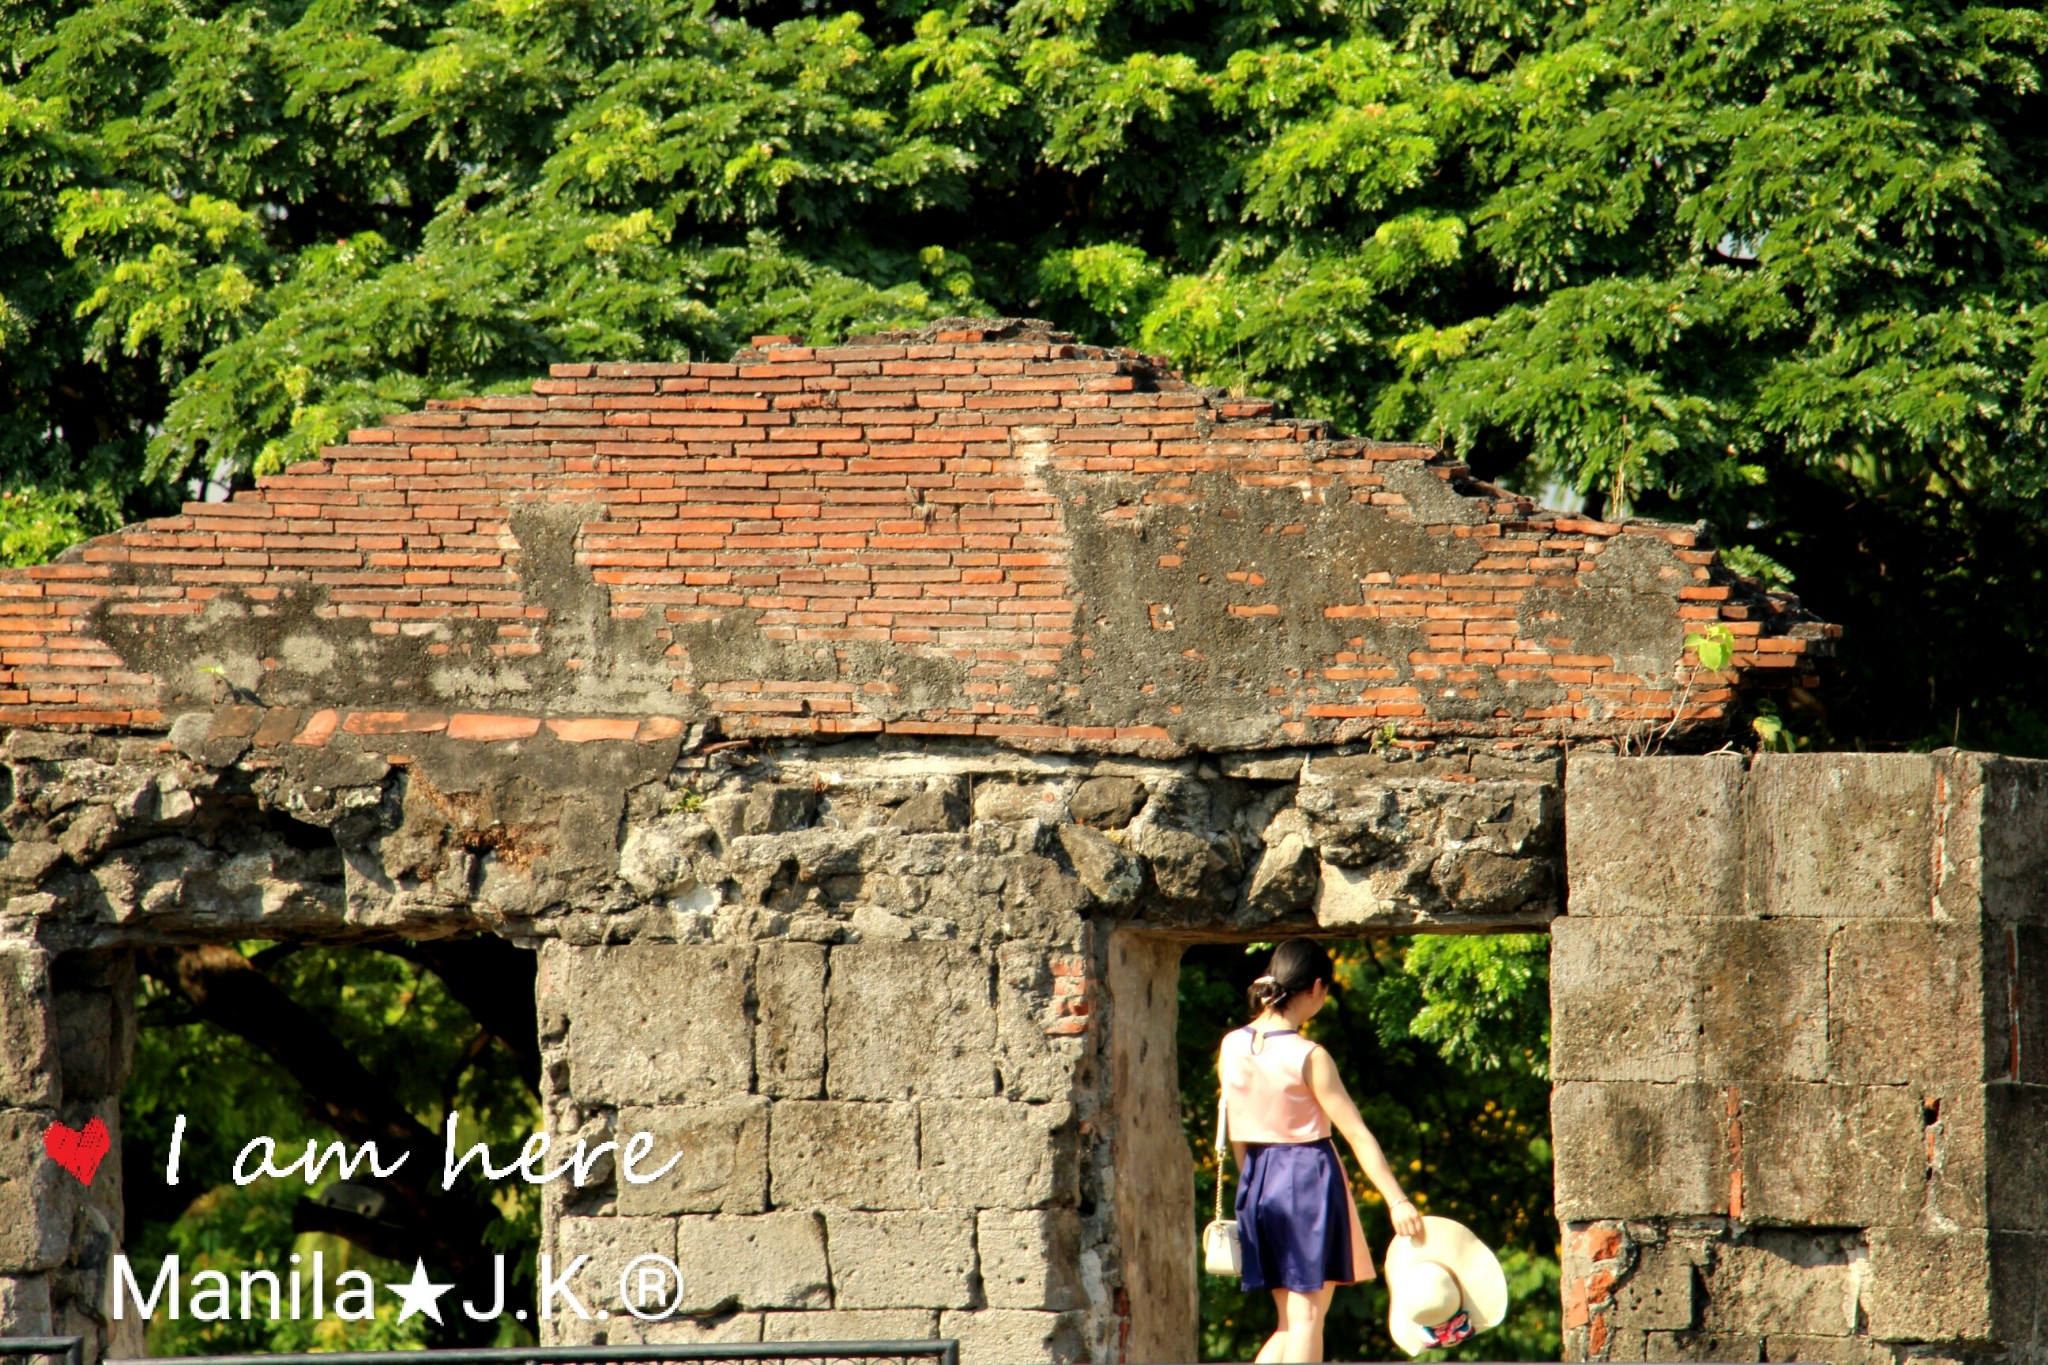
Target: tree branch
[494, 981]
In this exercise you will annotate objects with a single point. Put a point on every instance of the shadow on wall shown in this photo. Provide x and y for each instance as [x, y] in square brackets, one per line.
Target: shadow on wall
[1444, 1043]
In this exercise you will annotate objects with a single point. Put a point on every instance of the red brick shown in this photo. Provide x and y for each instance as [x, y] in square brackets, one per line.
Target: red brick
[1599, 1243]
[395, 722]
[235, 722]
[588, 730]
[486, 729]
[278, 726]
[319, 728]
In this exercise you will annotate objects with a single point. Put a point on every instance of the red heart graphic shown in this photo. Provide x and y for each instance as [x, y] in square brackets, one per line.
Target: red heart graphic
[78, 1153]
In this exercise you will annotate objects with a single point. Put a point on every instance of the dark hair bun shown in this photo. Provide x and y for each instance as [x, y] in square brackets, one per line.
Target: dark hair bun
[1295, 968]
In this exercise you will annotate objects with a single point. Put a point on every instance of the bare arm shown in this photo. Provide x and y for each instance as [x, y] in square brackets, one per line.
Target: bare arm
[1236, 1147]
[1328, 1088]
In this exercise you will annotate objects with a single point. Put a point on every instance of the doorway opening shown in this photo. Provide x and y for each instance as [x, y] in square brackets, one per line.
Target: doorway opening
[1443, 1042]
[310, 1046]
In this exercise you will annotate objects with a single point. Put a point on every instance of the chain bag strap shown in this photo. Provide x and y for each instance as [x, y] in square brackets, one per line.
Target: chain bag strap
[1222, 1253]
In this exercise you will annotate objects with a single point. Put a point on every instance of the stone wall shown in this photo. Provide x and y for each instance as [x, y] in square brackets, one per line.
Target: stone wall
[1799, 1058]
[907, 1010]
[66, 1031]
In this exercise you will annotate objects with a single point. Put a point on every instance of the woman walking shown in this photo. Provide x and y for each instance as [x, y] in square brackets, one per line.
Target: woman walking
[1295, 1215]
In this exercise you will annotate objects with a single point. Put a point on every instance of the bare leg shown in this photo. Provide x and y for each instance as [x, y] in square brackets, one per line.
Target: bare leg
[1275, 1349]
[1299, 1340]
[1321, 1299]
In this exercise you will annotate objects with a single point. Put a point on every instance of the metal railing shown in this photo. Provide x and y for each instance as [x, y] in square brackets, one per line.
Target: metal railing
[942, 1351]
[71, 1348]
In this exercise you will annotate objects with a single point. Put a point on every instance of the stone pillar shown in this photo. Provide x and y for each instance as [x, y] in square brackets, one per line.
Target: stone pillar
[879, 1141]
[1795, 1003]
[1154, 1176]
[33, 1230]
[67, 1030]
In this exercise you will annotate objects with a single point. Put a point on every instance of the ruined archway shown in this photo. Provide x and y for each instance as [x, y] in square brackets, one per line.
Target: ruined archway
[776, 703]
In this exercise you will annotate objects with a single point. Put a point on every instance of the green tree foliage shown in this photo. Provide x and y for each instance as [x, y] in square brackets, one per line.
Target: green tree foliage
[400, 1021]
[1444, 1042]
[1776, 263]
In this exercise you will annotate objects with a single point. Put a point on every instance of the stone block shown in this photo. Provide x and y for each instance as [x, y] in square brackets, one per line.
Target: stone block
[845, 1154]
[1684, 1000]
[941, 808]
[1030, 1259]
[37, 1199]
[789, 1040]
[1109, 873]
[1957, 1161]
[772, 1260]
[1013, 1336]
[908, 1020]
[2014, 839]
[652, 1023]
[1658, 1293]
[87, 1045]
[2016, 1000]
[2016, 1157]
[920, 1259]
[25, 1306]
[1638, 1150]
[773, 808]
[2019, 1289]
[723, 1329]
[1785, 1282]
[1261, 767]
[1108, 802]
[1694, 864]
[723, 1165]
[1624, 998]
[1014, 801]
[888, 1324]
[28, 1074]
[1033, 1066]
[1840, 836]
[1763, 1001]
[995, 1154]
[1287, 877]
[1902, 1001]
[611, 1244]
[1928, 1286]
[1714, 1346]
[1831, 1155]
[1850, 1350]
[1617, 1343]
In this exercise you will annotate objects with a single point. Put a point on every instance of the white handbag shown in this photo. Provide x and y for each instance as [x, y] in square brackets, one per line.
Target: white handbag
[1222, 1253]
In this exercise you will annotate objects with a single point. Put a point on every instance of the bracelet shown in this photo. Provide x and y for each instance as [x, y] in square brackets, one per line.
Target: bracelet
[1404, 1199]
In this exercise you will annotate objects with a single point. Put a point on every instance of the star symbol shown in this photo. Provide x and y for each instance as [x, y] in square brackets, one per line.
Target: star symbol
[419, 1294]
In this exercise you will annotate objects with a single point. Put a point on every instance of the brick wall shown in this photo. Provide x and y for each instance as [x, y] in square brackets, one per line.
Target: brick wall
[976, 531]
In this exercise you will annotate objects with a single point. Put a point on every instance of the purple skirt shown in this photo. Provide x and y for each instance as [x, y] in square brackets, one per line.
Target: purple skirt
[1294, 1216]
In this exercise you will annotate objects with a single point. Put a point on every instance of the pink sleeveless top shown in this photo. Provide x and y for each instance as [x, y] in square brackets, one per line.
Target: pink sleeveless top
[1265, 1087]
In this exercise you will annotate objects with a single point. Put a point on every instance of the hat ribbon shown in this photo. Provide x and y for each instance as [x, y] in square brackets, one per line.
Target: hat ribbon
[1449, 1333]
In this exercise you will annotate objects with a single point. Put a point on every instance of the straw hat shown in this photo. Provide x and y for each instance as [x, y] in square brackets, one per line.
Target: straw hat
[1432, 1279]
